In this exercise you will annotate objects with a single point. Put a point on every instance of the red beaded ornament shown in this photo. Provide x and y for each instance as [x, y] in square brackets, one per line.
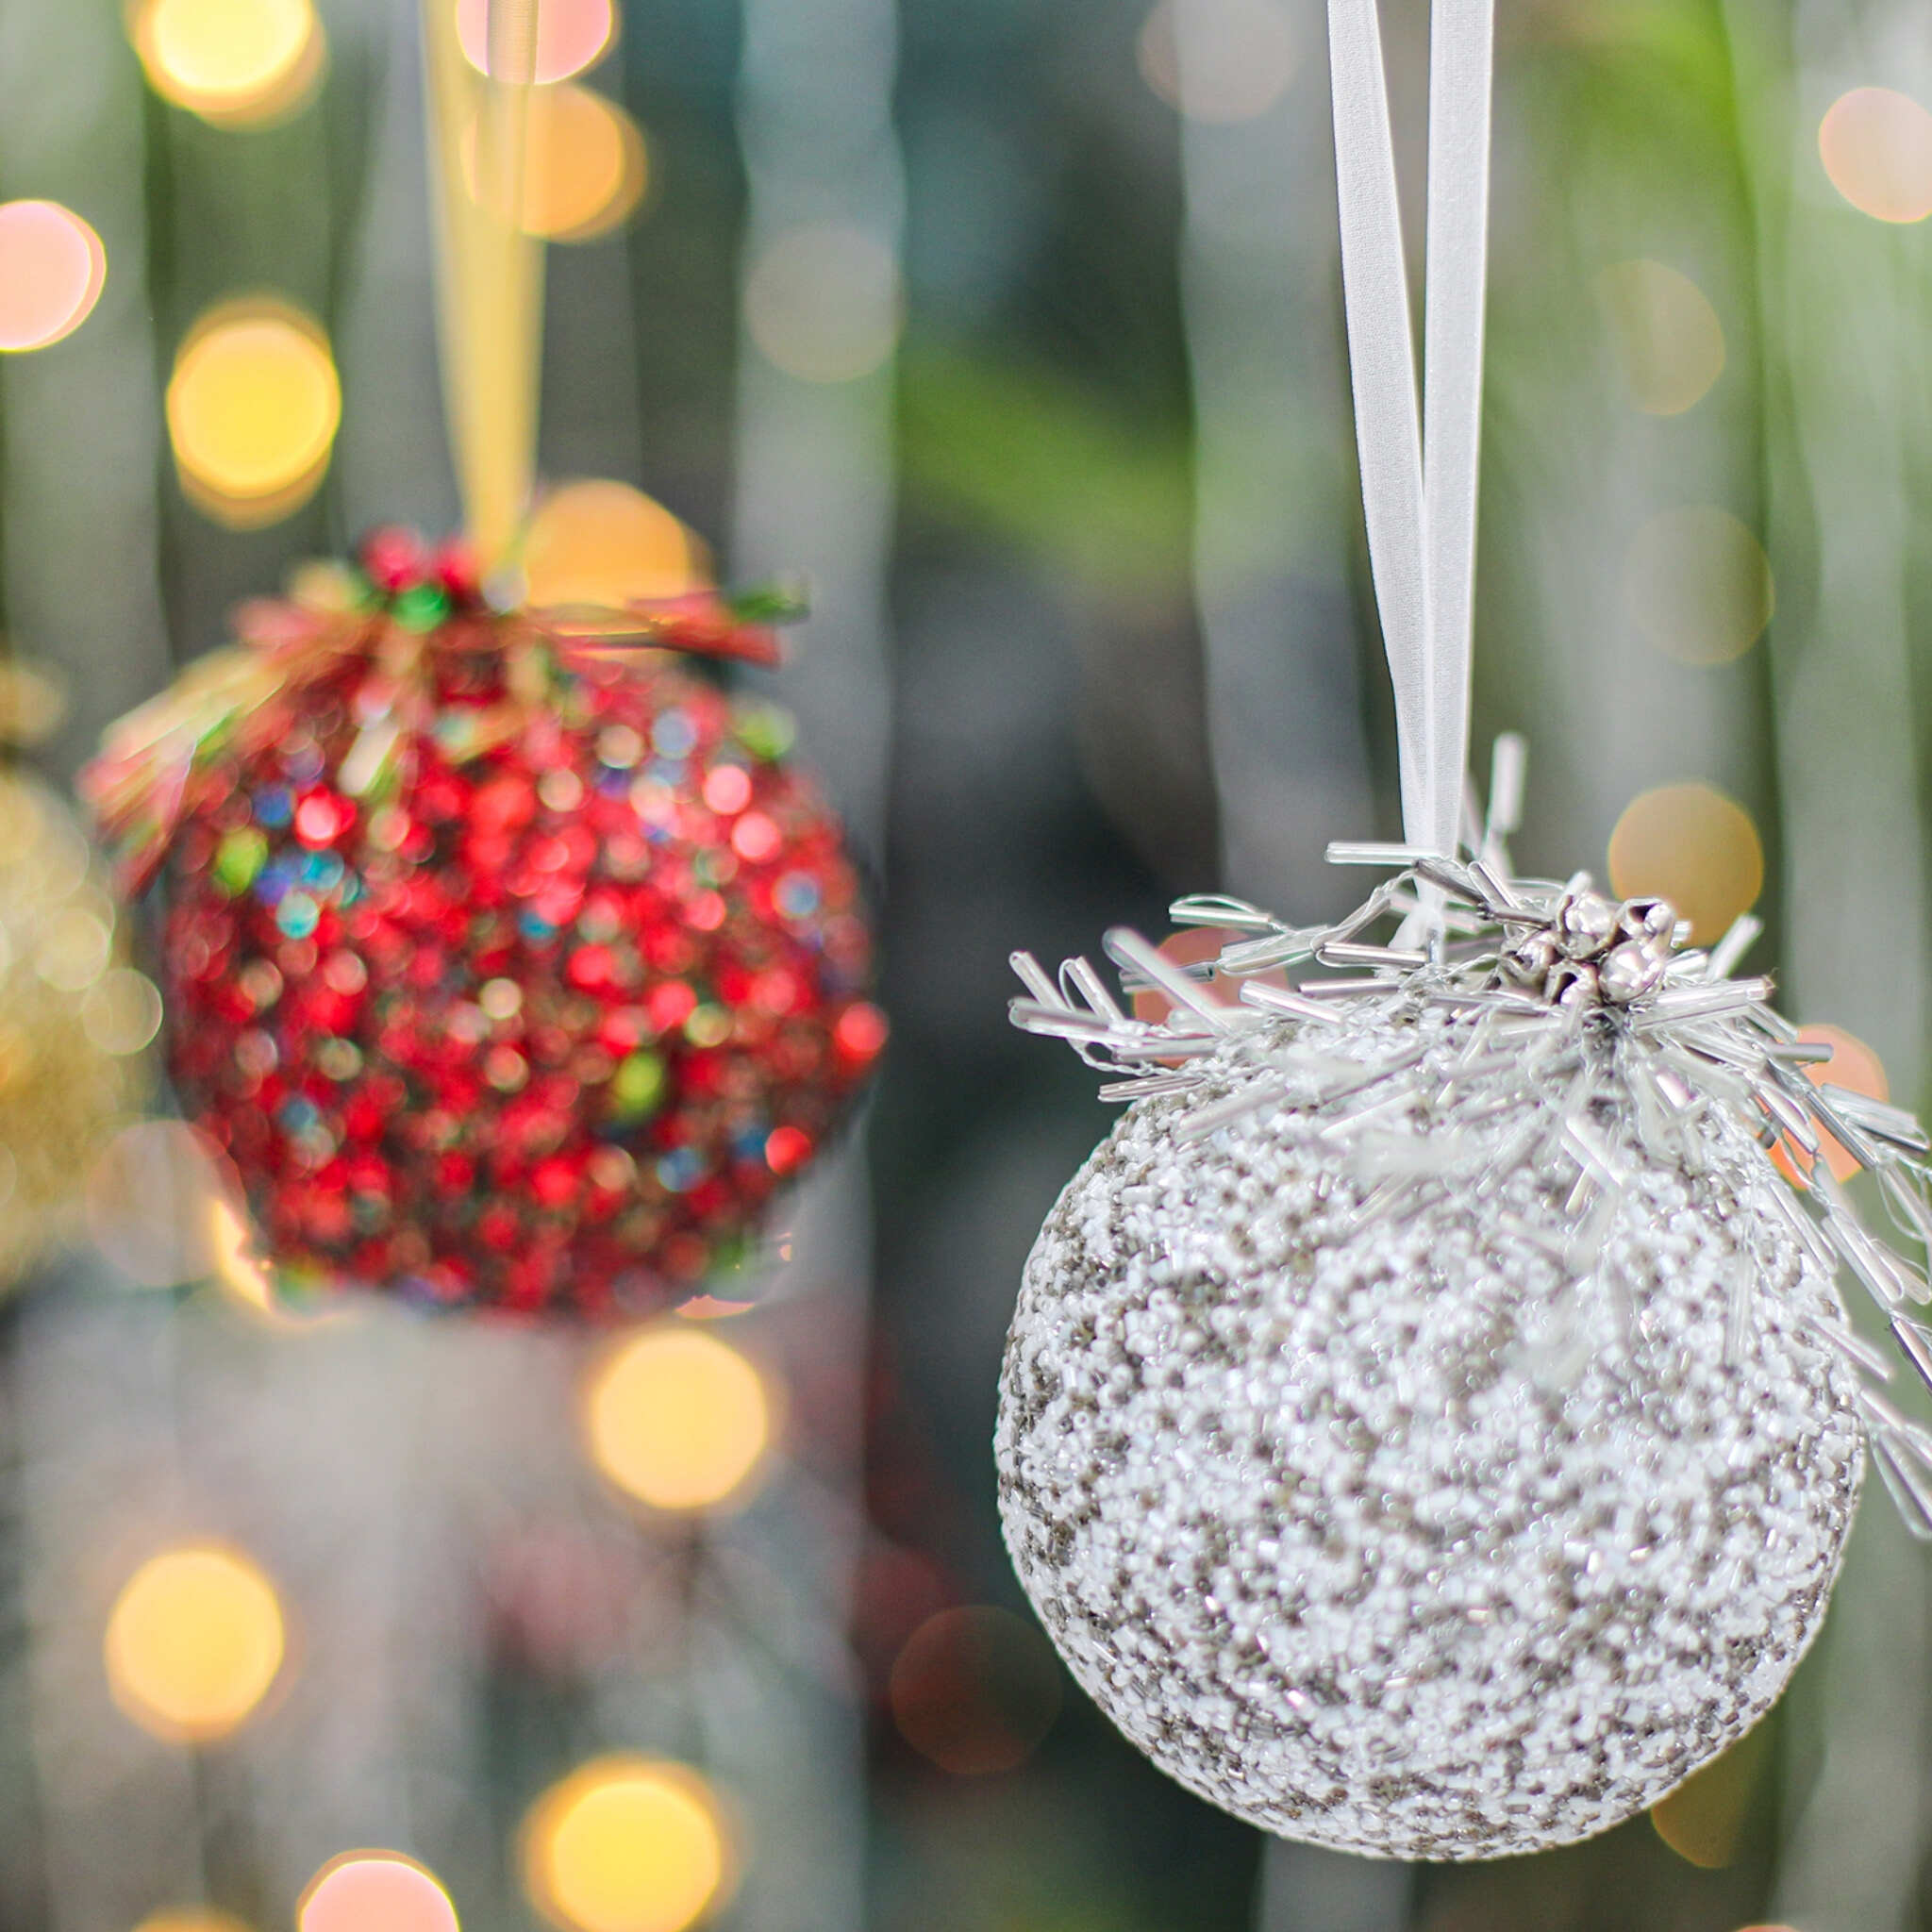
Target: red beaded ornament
[506, 959]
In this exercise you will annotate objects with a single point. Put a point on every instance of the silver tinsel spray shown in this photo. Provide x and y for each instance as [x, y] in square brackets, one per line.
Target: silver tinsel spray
[1430, 1426]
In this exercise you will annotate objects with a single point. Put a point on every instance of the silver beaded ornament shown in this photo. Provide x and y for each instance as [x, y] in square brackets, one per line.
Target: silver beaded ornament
[1430, 1427]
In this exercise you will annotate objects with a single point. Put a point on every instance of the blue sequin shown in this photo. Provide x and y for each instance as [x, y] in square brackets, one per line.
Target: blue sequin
[275, 881]
[297, 915]
[321, 871]
[681, 1170]
[274, 806]
[796, 895]
[673, 734]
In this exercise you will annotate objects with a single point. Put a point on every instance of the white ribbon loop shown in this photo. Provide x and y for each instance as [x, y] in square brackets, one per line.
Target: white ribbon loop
[1419, 469]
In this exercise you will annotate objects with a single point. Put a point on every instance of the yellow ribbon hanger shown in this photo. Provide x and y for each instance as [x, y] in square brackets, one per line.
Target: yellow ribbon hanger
[490, 271]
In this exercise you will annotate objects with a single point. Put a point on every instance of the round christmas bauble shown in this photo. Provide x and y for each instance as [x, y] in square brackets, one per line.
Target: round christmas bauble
[74, 1018]
[1430, 1426]
[508, 961]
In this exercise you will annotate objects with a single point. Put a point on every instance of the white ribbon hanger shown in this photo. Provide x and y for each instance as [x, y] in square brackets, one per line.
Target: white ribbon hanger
[1418, 466]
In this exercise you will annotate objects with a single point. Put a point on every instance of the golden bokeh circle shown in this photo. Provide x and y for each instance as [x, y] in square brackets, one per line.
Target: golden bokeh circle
[253, 408]
[236, 63]
[1876, 147]
[626, 1844]
[1698, 585]
[1668, 340]
[678, 1418]
[193, 1642]
[53, 268]
[375, 1891]
[602, 542]
[193, 1919]
[586, 165]
[1693, 845]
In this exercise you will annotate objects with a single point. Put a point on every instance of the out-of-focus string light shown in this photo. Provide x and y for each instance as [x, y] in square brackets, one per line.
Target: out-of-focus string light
[52, 270]
[1857, 1068]
[571, 35]
[1703, 1819]
[976, 1689]
[824, 302]
[375, 1891]
[1238, 60]
[626, 1844]
[677, 1419]
[1668, 340]
[236, 63]
[605, 543]
[1689, 845]
[585, 165]
[193, 1642]
[1877, 146]
[1698, 585]
[253, 408]
[149, 1197]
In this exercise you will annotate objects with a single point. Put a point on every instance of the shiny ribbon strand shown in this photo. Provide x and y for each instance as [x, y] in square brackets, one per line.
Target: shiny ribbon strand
[490, 271]
[1419, 465]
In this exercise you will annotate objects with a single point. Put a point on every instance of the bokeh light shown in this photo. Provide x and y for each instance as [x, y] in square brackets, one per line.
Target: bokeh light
[147, 1199]
[824, 302]
[52, 270]
[253, 409]
[571, 35]
[1668, 340]
[121, 1010]
[1703, 1819]
[193, 1919]
[626, 1844]
[976, 1689]
[375, 1891]
[678, 1418]
[1854, 1066]
[1877, 146]
[1689, 845]
[1697, 584]
[1241, 57]
[236, 63]
[193, 1642]
[585, 165]
[605, 543]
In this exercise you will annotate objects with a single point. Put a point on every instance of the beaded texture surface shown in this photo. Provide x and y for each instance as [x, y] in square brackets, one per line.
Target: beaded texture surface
[1430, 1426]
[527, 988]
[1393, 1535]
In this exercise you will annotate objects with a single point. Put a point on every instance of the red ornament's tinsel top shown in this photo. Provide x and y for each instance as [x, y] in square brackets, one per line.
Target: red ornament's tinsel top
[507, 960]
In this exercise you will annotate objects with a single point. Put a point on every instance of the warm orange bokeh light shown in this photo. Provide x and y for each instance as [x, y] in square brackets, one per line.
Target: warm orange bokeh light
[1876, 147]
[1668, 340]
[1698, 585]
[1694, 846]
[1238, 61]
[193, 1919]
[375, 1891]
[585, 165]
[238, 64]
[193, 1642]
[253, 409]
[1857, 1068]
[606, 543]
[52, 270]
[626, 1844]
[678, 1418]
[571, 35]
[1703, 1819]
[976, 1689]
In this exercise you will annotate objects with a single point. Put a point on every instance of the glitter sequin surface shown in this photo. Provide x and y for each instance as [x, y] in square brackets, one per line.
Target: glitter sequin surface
[1430, 1426]
[507, 981]
[1390, 1533]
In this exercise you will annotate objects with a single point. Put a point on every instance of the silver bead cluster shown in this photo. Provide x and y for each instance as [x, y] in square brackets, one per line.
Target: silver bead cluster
[1591, 951]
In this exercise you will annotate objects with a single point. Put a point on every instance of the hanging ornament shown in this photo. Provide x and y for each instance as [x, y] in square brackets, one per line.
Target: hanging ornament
[1430, 1427]
[506, 959]
[74, 1017]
